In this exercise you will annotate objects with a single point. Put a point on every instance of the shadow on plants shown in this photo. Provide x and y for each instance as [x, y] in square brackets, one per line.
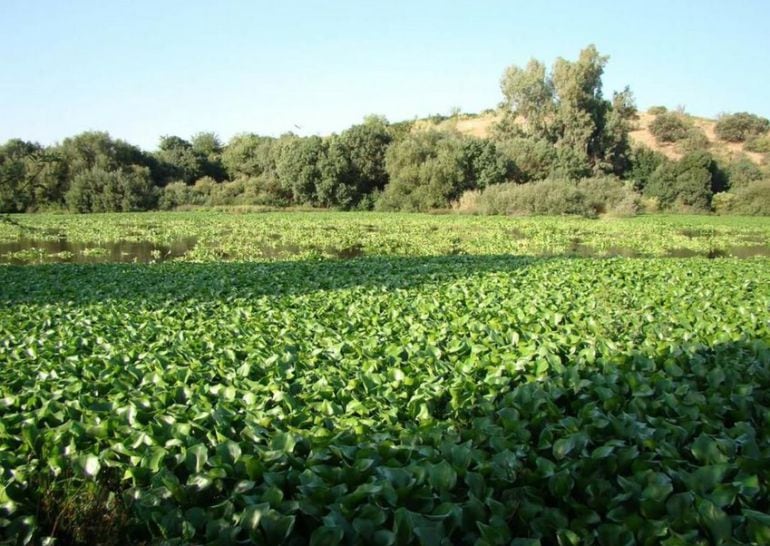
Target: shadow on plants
[81, 283]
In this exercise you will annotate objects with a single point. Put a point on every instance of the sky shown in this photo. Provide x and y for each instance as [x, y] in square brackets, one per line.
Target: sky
[140, 69]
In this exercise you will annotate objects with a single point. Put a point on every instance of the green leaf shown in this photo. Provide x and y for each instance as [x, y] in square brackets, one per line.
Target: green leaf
[91, 465]
[715, 520]
[326, 536]
[706, 450]
[283, 441]
[442, 476]
[197, 456]
[563, 447]
[252, 515]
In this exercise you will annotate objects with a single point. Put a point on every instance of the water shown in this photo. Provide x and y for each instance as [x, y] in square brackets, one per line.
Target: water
[30, 250]
[27, 250]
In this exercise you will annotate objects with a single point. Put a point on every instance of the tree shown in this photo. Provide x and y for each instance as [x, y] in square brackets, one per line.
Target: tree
[298, 166]
[365, 146]
[208, 148]
[31, 177]
[566, 108]
[742, 172]
[687, 183]
[669, 127]
[121, 190]
[430, 169]
[98, 149]
[337, 185]
[741, 126]
[250, 155]
[178, 160]
[644, 162]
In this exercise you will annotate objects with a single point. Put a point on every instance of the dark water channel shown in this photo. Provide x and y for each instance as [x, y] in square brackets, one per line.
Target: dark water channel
[30, 250]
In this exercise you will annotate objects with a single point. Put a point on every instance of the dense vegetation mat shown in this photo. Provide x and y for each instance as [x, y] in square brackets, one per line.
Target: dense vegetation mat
[457, 400]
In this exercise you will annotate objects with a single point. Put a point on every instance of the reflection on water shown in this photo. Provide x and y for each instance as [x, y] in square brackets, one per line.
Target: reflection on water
[29, 250]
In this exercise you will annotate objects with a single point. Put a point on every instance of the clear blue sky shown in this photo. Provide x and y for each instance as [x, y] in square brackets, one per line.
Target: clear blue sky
[144, 68]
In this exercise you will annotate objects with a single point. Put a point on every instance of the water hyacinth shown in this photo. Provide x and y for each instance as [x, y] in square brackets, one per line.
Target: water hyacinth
[401, 398]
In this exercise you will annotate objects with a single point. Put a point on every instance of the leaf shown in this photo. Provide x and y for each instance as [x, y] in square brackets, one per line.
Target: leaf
[706, 450]
[277, 526]
[563, 446]
[252, 515]
[326, 536]
[197, 456]
[715, 520]
[442, 476]
[91, 465]
[283, 441]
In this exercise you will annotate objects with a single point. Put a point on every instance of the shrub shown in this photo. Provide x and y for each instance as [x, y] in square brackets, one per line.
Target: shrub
[468, 202]
[696, 140]
[741, 172]
[758, 144]
[669, 127]
[121, 190]
[687, 184]
[723, 202]
[740, 126]
[752, 199]
[606, 193]
[430, 169]
[644, 161]
[534, 159]
[587, 197]
[657, 110]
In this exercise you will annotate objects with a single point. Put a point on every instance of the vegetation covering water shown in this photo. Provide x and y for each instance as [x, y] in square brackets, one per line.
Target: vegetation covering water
[212, 236]
[406, 396]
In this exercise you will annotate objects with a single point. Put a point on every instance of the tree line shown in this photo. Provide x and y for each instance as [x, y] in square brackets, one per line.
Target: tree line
[560, 146]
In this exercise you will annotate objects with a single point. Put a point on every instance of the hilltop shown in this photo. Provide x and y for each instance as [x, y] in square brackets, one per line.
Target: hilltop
[480, 126]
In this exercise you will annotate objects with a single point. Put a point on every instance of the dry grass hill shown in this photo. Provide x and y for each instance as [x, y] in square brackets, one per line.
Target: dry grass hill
[480, 126]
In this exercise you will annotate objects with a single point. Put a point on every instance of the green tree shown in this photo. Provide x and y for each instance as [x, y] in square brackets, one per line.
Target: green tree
[365, 146]
[740, 126]
[686, 184]
[644, 162]
[430, 169]
[208, 148]
[96, 149]
[669, 127]
[178, 160]
[741, 172]
[31, 177]
[298, 166]
[250, 155]
[121, 190]
[567, 109]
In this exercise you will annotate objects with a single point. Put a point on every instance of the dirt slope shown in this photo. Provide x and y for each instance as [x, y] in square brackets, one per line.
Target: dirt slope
[480, 126]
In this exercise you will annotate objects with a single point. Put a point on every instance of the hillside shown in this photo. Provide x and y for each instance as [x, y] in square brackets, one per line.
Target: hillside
[480, 126]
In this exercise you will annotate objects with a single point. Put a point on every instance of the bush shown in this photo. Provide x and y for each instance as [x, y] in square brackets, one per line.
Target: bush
[723, 202]
[606, 194]
[468, 202]
[752, 199]
[669, 127]
[696, 140]
[657, 110]
[534, 159]
[740, 126]
[644, 161]
[687, 184]
[122, 190]
[588, 197]
[758, 144]
[742, 172]
[430, 169]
